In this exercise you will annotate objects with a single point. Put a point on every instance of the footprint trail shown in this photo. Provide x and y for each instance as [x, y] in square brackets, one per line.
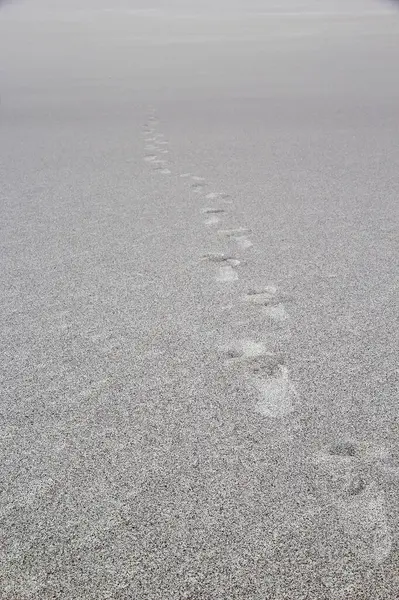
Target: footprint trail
[359, 503]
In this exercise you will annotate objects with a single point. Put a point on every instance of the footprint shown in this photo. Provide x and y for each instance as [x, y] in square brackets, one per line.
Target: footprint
[363, 517]
[277, 313]
[243, 242]
[213, 220]
[185, 175]
[242, 350]
[217, 195]
[251, 349]
[361, 506]
[197, 187]
[231, 233]
[198, 179]
[166, 171]
[150, 158]
[276, 393]
[267, 297]
[227, 274]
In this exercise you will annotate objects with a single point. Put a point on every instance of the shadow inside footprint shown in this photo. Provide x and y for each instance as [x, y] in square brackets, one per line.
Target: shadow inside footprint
[267, 365]
[233, 233]
[356, 486]
[222, 259]
[267, 297]
[343, 449]
[214, 211]
[231, 354]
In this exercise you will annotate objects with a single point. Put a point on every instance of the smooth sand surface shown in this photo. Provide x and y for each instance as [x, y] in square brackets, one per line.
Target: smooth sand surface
[199, 300]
